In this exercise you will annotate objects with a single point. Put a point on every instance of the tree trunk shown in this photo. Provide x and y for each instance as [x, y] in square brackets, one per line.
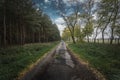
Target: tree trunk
[115, 40]
[114, 21]
[96, 33]
[119, 40]
[73, 39]
[112, 36]
[106, 27]
[33, 37]
[39, 37]
[95, 39]
[18, 32]
[21, 38]
[103, 41]
[72, 35]
[24, 35]
[4, 25]
[44, 36]
[21, 33]
[10, 33]
[98, 40]
[0, 41]
[88, 39]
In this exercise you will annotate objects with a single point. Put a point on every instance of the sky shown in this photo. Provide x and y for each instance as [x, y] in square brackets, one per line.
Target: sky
[50, 7]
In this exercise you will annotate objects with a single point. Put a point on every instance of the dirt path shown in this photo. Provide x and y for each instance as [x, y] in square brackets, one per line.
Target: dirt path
[64, 67]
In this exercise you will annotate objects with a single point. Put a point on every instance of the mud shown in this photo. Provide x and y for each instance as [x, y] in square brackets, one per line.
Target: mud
[63, 66]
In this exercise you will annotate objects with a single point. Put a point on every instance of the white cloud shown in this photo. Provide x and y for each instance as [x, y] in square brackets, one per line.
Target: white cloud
[61, 28]
[94, 16]
[45, 7]
[66, 1]
[97, 0]
[60, 23]
[71, 2]
[46, 1]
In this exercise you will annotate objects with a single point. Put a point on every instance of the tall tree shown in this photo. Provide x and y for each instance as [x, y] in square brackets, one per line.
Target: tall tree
[109, 11]
[71, 19]
[97, 25]
[88, 29]
[66, 34]
[78, 33]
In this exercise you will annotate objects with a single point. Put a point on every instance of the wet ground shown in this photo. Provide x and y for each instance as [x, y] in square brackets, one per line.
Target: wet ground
[63, 66]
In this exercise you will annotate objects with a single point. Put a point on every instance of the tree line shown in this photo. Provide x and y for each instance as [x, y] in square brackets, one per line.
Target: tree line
[22, 22]
[92, 18]
[108, 17]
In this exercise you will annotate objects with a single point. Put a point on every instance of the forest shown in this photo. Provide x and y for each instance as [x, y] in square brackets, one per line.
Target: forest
[21, 22]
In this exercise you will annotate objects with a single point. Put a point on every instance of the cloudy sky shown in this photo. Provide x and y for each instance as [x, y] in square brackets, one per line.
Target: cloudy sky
[50, 7]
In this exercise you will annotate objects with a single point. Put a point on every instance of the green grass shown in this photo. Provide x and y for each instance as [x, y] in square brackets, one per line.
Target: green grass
[14, 60]
[104, 57]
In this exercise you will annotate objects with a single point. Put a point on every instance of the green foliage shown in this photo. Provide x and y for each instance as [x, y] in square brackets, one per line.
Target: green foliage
[88, 29]
[104, 57]
[14, 60]
[109, 10]
[79, 33]
[66, 34]
[22, 22]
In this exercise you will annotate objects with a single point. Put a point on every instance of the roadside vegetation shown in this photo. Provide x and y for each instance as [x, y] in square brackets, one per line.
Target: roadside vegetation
[104, 57]
[13, 60]
[21, 23]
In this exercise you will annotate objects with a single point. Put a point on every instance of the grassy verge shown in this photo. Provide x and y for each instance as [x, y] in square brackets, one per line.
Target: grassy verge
[14, 60]
[104, 57]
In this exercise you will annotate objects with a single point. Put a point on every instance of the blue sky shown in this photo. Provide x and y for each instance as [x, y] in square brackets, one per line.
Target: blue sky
[50, 7]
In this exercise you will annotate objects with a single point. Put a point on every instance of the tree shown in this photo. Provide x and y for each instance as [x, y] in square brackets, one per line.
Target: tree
[66, 34]
[71, 23]
[116, 12]
[88, 30]
[98, 24]
[78, 33]
[109, 11]
[117, 32]
[71, 19]
[87, 15]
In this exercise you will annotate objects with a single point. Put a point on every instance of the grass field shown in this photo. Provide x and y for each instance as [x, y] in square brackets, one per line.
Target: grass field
[104, 57]
[15, 59]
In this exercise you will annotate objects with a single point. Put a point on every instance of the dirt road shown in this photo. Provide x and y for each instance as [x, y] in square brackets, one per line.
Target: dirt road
[63, 66]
